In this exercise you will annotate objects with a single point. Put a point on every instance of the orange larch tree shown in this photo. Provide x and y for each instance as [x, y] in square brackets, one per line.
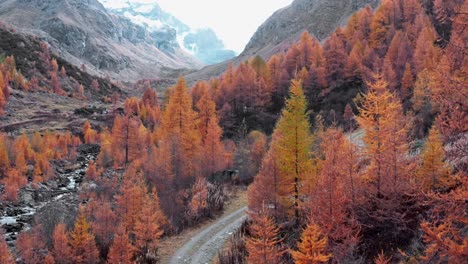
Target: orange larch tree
[49, 259]
[407, 83]
[381, 23]
[104, 225]
[353, 67]
[22, 145]
[449, 94]
[263, 192]
[433, 174]
[20, 163]
[179, 126]
[198, 91]
[104, 159]
[214, 155]
[425, 54]
[121, 250]
[119, 140]
[306, 47]
[263, 243]
[4, 159]
[89, 134]
[3, 99]
[206, 111]
[29, 245]
[312, 247]
[13, 182]
[385, 137]
[131, 199]
[349, 165]
[258, 147]
[444, 230]
[136, 139]
[61, 248]
[82, 243]
[148, 229]
[335, 54]
[329, 204]
[5, 254]
[91, 172]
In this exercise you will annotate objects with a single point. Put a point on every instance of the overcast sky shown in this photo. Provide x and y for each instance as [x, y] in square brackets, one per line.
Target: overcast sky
[234, 21]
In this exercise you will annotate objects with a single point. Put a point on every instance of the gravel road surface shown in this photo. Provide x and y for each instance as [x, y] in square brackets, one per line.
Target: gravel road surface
[203, 247]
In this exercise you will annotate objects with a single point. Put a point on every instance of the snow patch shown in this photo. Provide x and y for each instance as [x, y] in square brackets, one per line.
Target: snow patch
[144, 9]
[115, 4]
[180, 41]
[150, 24]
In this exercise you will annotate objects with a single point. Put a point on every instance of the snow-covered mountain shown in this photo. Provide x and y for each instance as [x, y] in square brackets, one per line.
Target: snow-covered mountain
[202, 43]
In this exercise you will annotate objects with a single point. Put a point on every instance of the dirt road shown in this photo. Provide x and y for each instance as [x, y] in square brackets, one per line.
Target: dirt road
[203, 246]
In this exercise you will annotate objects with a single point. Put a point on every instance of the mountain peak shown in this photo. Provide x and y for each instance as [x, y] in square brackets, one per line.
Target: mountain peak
[204, 44]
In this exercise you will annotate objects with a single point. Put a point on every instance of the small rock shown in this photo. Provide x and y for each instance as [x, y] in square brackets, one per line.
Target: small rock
[28, 199]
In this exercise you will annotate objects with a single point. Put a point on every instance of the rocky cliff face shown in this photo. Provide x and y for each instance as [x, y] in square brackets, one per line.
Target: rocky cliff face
[285, 26]
[84, 32]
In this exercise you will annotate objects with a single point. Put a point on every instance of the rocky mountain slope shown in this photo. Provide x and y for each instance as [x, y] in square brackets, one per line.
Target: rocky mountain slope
[84, 32]
[318, 17]
[204, 44]
[37, 108]
[284, 27]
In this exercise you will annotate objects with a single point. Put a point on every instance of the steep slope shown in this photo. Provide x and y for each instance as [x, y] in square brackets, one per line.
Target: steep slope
[284, 27]
[204, 44]
[34, 105]
[84, 32]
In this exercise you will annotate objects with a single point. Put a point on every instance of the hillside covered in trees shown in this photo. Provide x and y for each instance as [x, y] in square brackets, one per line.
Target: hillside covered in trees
[354, 150]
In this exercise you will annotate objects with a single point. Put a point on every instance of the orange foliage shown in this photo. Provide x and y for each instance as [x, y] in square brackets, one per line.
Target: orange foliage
[13, 182]
[148, 225]
[3, 99]
[444, 230]
[199, 200]
[29, 244]
[88, 133]
[91, 172]
[104, 224]
[131, 200]
[382, 119]
[179, 126]
[61, 248]
[5, 255]
[382, 259]
[263, 192]
[121, 250]
[213, 153]
[263, 244]
[83, 245]
[312, 247]
[4, 160]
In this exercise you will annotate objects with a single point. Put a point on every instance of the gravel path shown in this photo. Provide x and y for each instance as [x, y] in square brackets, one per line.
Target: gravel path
[204, 246]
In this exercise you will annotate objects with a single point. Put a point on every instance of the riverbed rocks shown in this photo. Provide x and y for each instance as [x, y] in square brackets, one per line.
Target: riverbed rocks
[54, 200]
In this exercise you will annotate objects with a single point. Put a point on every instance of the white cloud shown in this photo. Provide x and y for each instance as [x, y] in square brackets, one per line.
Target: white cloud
[233, 21]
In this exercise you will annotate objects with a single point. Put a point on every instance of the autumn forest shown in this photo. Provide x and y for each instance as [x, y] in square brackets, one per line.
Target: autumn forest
[352, 150]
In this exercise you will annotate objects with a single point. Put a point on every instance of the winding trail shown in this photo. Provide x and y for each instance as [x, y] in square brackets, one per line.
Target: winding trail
[203, 246]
